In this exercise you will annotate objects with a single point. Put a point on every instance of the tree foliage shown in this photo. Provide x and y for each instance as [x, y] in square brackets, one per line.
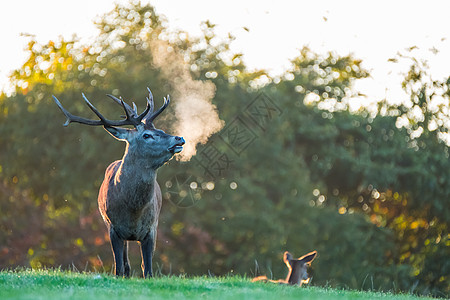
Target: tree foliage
[359, 188]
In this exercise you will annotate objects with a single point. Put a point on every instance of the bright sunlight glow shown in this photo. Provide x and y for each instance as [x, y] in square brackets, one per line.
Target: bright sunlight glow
[268, 33]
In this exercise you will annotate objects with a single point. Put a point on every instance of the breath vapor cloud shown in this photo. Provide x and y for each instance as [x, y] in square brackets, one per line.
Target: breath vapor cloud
[196, 117]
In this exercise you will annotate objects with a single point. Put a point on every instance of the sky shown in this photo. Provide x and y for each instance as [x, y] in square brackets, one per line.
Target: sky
[373, 31]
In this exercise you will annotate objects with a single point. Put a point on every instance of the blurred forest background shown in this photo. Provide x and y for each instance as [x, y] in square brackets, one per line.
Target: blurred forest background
[293, 169]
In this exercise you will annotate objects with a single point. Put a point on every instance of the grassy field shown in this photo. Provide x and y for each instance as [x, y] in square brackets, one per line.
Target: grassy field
[54, 284]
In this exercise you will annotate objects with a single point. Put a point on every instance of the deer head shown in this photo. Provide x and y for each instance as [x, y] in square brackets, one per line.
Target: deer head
[144, 141]
[298, 267]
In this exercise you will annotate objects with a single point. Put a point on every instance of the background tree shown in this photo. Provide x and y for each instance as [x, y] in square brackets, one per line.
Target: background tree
[307, 174]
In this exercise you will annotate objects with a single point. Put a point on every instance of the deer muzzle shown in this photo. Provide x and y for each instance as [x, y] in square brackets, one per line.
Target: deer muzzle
[178, 147]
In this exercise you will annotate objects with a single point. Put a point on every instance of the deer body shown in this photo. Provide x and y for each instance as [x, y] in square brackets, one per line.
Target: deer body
[297, 274]
[130, 199]
[130, 208]
[130, 203]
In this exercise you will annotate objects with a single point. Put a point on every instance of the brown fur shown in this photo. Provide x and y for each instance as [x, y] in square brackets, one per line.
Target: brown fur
[130, 198]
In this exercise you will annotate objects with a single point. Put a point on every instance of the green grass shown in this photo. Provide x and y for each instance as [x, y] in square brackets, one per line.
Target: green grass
[55, 284]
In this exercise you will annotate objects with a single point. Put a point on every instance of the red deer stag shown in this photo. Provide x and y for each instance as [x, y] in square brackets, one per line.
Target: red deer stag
[297, 269]
[129, 199]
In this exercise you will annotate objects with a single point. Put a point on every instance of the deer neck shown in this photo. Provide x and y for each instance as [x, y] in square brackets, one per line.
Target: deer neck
[137, 170]
[294, 276]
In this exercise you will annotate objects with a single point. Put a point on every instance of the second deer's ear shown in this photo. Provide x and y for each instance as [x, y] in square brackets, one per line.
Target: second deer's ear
[117, 132]
[307, 258]
[287, 257]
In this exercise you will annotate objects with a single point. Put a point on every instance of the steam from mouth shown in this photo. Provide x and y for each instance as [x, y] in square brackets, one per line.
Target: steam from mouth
[196, 117]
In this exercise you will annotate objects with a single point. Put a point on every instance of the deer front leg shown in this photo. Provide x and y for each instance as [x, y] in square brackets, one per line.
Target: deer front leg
[126, 261]
[117, 245]
[147, 247]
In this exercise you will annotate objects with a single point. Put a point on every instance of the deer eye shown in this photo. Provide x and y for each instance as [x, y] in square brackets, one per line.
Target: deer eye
[146, 136]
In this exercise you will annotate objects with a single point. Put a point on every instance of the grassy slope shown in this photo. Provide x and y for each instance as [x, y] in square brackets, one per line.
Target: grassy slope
[53, 284]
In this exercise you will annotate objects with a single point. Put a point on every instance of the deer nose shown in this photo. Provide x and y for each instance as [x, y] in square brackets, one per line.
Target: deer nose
[179, 139]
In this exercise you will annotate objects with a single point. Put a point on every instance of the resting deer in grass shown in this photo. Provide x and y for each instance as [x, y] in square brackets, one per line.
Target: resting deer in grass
[129, 199]
[297, 269]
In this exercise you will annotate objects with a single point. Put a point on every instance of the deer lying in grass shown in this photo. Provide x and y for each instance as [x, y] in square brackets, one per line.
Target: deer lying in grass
[297, 269]
[130, 198]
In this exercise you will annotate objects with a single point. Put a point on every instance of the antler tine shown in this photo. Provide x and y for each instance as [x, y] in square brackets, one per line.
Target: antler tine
[127, 113]
[150, 100]
[72, 118]
[153, 116]
[92, 107]
[130, 110]
[147, 110]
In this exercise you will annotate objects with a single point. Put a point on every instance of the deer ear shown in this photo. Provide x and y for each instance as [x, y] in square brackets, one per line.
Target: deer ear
[119, 133]
[308, 258]
[287, 257]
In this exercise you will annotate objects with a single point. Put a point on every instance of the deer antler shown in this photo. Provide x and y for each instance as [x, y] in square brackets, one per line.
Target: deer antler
[148, 115]
[131, 116]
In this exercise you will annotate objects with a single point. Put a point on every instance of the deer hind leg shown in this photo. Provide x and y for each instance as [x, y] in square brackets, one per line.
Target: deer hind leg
[117, 245]
[126, 261]
[147, 248]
